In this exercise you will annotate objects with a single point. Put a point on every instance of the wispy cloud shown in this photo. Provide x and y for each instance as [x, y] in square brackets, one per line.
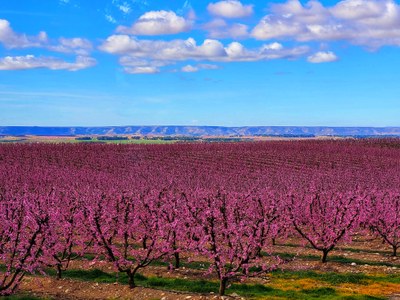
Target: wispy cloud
[142, 70]
[198, 67]
[110, 18]
[219, 28]
[29, 94]
[32, 62]
[125, 8]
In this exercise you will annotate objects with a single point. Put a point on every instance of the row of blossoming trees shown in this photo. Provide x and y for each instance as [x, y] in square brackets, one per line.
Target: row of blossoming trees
[224, 202]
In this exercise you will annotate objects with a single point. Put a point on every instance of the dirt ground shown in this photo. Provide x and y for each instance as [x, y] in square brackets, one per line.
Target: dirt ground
[67, 289]
[371, 251]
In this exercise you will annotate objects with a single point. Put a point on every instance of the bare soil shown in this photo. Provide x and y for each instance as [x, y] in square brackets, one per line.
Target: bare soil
[364, 248]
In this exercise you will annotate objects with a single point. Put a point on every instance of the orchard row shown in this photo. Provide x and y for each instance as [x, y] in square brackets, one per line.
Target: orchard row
[226, 202]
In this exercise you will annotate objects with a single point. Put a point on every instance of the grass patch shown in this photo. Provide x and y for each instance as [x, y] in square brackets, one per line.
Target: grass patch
[245, 290]
[336, 259]
[91, 275]
[194, 265]
[255, 291]
[362, 297]
[330, 277]
[318, 292]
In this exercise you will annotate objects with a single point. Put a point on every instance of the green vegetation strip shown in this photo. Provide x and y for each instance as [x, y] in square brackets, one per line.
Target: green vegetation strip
[337, 278]
[245, 290]
[335, 258]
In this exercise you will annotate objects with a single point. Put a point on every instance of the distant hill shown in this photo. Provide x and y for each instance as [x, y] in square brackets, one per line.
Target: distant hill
[199, 131]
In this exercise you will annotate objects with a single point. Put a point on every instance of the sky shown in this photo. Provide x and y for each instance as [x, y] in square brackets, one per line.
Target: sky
[182, 62]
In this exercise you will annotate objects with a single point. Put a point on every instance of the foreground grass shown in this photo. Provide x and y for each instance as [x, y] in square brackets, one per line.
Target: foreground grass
[281, 284]
[336, 259]
[305, 284]
[297, 285]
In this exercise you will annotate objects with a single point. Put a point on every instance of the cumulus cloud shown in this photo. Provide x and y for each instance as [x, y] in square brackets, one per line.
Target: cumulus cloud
[163, 50]
[322, 57]
[358, 9]
[219, 28]
[33, 62]
[370, 23]
[157, 23]
[10, 39]
[13, 40]
[230, 9]
[135, 52]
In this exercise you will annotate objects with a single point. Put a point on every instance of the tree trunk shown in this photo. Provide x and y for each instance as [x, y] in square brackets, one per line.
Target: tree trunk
[394, 250]
[222, 286]
[259, 252]
[131, 279]
[144, 243]
[59, 272]
[324, 256]
[273, 242]
[177, 260]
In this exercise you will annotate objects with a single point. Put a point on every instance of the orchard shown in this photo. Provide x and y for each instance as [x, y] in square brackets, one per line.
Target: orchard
[228, 203]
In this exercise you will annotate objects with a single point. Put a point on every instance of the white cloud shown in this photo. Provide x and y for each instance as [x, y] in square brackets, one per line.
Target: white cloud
[358, 9]
[230, 9]
[322, 57]
[78, 46]
[207, 66]
[157, 23]
[142, 70]
[125, 8]
[12, 40]
[236, 50]
[163, 50]
[219, 28]
[198, 67]
[110, 19]
[189, 69]
[273, 46]
[158, 53]
[33, 62]
[369, 23]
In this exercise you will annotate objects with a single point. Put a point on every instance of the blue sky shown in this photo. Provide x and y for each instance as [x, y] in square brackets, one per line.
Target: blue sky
[230, 63]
